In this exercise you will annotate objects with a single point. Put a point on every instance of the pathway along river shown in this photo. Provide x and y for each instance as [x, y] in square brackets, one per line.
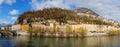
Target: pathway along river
[25, 41]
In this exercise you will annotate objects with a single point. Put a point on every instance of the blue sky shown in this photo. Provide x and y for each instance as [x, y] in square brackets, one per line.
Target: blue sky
[11, 9]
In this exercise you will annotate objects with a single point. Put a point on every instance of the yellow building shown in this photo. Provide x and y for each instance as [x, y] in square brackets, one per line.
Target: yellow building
[25, 27]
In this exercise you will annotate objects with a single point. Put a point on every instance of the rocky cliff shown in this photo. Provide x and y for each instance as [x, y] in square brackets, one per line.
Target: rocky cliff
[82, 15]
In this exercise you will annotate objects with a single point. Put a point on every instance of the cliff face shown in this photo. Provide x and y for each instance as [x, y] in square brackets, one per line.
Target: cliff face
[82, 15]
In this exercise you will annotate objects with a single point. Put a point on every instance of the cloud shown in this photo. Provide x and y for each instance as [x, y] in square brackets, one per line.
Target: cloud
[9, 2]
[107, 8]
[9, 19]
[3, 21]
[1, 1]
[14, 12]
[48, 4]
[13, 18]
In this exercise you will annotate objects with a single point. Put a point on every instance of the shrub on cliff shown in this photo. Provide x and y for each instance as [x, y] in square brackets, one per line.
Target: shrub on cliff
[114, 32]
[83, 31]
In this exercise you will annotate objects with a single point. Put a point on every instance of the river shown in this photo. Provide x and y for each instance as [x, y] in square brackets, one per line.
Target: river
[25, 41]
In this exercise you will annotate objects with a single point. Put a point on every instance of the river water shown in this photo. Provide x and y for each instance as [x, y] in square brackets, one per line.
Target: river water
[25, 41]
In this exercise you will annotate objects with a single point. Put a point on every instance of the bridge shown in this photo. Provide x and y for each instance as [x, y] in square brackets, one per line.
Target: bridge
[7, 33]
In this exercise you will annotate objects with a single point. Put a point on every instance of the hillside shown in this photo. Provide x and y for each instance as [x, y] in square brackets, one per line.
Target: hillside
[82, 15]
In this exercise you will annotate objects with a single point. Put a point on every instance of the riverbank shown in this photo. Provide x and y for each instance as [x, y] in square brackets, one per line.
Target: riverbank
[59, 34]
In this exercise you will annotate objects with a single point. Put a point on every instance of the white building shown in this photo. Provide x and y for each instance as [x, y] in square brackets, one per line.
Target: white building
[16, 27]
[2, 28]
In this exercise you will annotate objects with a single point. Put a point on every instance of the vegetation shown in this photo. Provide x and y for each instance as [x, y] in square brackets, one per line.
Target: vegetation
[62, 20]
[40, 29]
[69, 29]
[83, 31]
[33, 31]
[30, 30]
[114, 32]
[60, 15]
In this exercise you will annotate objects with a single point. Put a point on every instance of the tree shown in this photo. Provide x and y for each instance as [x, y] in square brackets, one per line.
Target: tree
[111, 32]
[62, 20]
[69, 29]
[83, 31]
[40, 29]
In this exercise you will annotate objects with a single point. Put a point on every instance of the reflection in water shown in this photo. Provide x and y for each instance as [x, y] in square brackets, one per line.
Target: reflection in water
[24, 41]
[6, 42]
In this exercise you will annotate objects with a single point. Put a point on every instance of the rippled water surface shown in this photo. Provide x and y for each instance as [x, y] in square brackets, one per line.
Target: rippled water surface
[25, 41]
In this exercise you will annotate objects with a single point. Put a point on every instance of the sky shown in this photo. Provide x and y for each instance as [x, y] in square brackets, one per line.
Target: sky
[10, 10]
